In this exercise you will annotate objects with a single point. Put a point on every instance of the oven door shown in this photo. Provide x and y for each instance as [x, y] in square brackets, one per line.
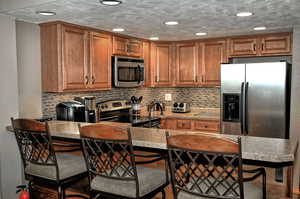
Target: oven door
[128, 74]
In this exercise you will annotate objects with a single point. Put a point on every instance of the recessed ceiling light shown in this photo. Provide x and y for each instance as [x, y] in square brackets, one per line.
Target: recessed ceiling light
[171, 23]
[46, 13]
[260, 28]
[244, 14]
[110, 2]
[201, 33]
[118, 29]
[154, 38]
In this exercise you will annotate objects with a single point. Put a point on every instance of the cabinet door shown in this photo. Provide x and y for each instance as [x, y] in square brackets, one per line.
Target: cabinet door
[184, 124]
[168, 124]
[161, 56]
[186, 64]
[119, 46]
[241, 47]
[146, 57]
[276, 44]
[100, 61]
[213, 126]
[134, 48]
[74, 58]
[211, 55]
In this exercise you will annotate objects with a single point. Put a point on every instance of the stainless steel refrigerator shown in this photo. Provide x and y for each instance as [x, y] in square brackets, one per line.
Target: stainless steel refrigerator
[255, 99]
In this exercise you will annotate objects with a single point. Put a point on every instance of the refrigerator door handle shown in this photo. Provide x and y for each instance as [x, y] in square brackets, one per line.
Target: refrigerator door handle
[246, 108]
[242, 108]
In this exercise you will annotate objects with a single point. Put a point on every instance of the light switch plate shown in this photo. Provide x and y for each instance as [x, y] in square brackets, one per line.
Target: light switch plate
[168, 97]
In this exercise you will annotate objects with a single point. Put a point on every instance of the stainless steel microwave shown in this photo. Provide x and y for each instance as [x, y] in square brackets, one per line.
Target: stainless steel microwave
[128, 72]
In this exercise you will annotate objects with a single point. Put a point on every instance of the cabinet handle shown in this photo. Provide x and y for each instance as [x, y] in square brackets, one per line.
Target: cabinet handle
[156, 78]
[86, 79]
[262, 46]
[196, 78]
[93, 79]
[254, 47]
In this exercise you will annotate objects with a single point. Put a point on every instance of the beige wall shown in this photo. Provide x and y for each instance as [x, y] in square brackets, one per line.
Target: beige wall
[10, 161]
[29, 69]
[295, 97]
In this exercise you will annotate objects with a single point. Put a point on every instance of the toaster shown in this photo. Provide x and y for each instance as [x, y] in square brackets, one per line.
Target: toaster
[181, 107]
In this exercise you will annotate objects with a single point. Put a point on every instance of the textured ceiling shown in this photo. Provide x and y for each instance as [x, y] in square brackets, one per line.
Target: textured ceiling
[145, 18]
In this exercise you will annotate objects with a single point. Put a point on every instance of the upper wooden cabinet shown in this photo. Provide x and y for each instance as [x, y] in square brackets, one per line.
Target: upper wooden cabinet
[276, 44]
[127, 47]
[100, 61]
[211, 55]
[161, 63]
[243, 47]
[74, 59]
[186, 71]
[261, 45]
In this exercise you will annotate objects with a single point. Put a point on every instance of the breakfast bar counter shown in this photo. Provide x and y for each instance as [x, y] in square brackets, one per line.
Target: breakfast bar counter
[270, 152]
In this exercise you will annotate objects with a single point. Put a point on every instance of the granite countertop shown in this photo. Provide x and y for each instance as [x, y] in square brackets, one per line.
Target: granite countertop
[253, 148]
[195, 114]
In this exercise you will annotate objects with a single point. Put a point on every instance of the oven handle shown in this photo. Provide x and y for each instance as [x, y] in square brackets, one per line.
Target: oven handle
[108, 118]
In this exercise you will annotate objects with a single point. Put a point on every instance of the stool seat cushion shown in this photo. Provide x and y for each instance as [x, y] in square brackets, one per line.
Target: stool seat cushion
[251, 191]
[68, 164]
[149, 179]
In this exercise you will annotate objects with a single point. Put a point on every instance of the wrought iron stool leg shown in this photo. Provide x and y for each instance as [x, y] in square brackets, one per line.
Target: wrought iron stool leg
[163, 194]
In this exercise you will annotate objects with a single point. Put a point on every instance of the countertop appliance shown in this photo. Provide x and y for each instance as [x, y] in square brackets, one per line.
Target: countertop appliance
[90, 112]
[127, 72]
[70, 111]
[255, 99]
[120, 111]
[181, 107]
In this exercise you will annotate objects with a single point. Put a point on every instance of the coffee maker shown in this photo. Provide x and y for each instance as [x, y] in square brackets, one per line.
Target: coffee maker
[90, 112]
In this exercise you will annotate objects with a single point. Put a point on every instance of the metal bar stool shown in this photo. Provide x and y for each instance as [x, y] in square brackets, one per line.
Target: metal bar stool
[42, 164]
[210, 167]
[112, 168]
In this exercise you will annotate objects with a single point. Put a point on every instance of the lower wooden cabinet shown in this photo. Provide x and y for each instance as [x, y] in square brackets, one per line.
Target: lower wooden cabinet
[39, 192]
[186, 124]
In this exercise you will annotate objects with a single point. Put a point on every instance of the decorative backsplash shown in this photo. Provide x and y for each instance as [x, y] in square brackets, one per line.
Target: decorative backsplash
[197, 97]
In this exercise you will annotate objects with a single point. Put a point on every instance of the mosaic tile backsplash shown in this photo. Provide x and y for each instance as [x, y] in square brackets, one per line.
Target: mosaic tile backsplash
[197, 97]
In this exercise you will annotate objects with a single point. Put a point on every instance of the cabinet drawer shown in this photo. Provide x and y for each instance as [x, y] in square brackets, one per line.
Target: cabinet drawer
[184, 124]
[207, 125]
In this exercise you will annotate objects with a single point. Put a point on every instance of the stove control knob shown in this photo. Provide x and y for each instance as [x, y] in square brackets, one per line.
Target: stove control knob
[181, 105]
[106, 106]
[102, 106]
[175, 104]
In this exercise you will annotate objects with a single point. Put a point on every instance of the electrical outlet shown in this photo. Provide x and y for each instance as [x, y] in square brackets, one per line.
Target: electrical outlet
[168, 97]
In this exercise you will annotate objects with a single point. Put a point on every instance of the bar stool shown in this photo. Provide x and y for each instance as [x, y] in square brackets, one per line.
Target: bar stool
[42, 164]
[112, 165]
[210, 167]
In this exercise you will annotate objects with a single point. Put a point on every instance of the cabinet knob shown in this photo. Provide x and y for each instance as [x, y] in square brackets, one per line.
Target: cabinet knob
[254, 47]
[93, 79]
[262, 46]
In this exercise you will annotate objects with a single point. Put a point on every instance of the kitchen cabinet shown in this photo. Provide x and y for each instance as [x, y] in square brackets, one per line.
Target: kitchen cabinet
[240, 47]
[211, 55]
[161, 63]
[74, 59]
[276, 44]
[190, 124]
[127, 47]
[261, 45]
[38, 192]
[146, 57]
[100, 61]
[74, 56]
[186, 71]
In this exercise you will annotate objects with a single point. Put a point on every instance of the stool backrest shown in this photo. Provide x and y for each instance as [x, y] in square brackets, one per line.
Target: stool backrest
[34, 142]
[108, 152]
[205, 166]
